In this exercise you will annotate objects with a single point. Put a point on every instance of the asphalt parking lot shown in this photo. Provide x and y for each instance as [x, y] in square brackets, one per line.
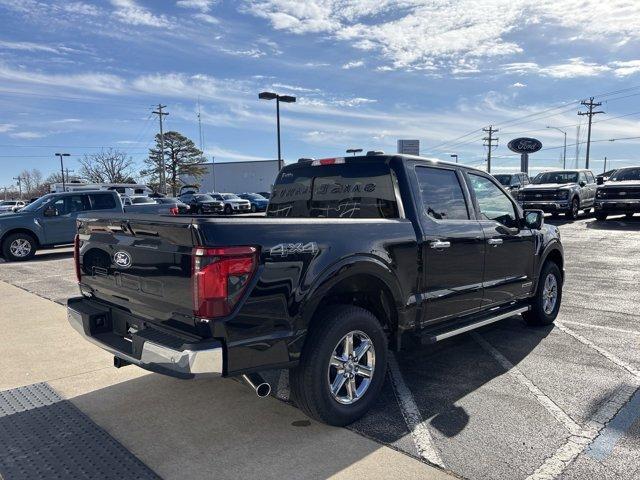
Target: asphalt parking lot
[505, 402]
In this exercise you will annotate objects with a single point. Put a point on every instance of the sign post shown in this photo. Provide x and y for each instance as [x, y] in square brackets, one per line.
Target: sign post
[524, 146]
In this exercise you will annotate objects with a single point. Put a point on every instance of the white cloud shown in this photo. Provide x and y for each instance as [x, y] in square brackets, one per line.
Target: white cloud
[206, 18]
[27, 135]
[432, 35]
[128, 11]
[28, 46]
[82, 9]
[519, 85]
[624, 69]
[354, 102]
[203, 5]
[6, 127]
[574, 67]
[354, 64]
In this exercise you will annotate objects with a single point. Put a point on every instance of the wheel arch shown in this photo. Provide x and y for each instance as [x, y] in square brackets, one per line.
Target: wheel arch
[20, 230]
[552, 253]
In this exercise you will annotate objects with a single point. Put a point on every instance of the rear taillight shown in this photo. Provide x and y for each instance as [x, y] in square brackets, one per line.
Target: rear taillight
[327, 161]
[174, 211]
[76, 257]
[220, 277]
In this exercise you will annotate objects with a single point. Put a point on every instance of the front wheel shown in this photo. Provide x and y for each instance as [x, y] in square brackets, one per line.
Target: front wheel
[628, 215]
[575, 209]
[18, 247]
[546, 304]
[601, 217]
[227, 210]
[253, 209]
[342, 367]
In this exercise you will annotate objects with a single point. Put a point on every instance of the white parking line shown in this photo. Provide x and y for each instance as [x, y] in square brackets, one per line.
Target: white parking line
[605, 353]
[542, 399]
[575, 445]
[412, 416]
[602, 327]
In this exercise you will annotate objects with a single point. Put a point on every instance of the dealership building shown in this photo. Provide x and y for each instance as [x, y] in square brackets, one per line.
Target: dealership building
[237, 177]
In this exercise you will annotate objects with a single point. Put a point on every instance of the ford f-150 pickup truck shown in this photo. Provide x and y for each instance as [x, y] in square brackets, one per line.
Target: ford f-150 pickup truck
[354, 255]
[51, 220]
[620, 195]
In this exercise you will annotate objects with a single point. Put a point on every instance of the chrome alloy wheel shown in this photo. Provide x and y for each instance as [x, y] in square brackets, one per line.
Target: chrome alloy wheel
[549, 294]
[20, 247]
[351, 367]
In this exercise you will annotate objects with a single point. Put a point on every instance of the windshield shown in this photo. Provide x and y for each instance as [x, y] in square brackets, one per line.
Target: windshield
[626, 174]
[231, 196]
[32, 207]
[556, 177]
[503, 179]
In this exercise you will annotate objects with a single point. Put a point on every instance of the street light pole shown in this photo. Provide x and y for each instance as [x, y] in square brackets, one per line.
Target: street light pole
[455, 155]
[278, 98]
[62, 168]
[354, 151]
[564, 155]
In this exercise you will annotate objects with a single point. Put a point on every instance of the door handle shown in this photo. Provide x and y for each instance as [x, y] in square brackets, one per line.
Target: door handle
[494, 241]
[438, 244]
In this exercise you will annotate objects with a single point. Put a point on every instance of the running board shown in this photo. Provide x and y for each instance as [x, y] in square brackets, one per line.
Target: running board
[442, 332]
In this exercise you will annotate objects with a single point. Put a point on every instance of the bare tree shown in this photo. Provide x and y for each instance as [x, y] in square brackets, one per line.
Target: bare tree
[32, 183]
[107, 166]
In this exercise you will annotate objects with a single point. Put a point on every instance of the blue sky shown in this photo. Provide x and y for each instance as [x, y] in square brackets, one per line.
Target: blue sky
[76, 76]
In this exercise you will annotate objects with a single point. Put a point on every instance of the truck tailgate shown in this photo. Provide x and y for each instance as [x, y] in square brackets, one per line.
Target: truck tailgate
[141, 263]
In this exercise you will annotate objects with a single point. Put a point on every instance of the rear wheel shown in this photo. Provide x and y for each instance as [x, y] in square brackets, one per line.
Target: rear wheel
[227, 210]
[628, 215]
[601, 216]
[555, 214]
[253, 208]
[546, 304]
[574, 209]
[19, 246]
[342, 367]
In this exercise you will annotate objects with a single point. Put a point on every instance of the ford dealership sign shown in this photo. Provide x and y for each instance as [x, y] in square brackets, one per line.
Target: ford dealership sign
[524, 145]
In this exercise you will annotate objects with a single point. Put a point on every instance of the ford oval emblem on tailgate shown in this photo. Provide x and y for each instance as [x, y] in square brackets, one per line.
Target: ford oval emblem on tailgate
[122, 259]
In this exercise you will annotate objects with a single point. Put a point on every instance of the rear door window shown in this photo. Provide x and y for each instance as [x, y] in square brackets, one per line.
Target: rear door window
[357, 189]
[102, 201]
[441, 194]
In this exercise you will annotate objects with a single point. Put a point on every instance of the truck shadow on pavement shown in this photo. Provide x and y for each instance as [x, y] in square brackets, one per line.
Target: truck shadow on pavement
[616, 223]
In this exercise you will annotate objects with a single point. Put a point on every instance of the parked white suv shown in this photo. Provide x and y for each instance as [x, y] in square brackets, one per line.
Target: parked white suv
[234, 204]
[11, 205]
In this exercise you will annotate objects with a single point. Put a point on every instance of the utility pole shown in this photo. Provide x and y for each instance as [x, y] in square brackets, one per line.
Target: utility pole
[67, 171]
[577, 145]
[62, 168]
[163, 183]
[200, 128]
[605, 165]
[490, 139]
[19, 179]
[590, 104]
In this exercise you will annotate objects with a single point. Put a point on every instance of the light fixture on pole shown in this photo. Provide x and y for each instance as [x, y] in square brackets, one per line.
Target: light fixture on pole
[278, 99]
[454, 155]
[564, 155]
[354, 151]
[62, 168]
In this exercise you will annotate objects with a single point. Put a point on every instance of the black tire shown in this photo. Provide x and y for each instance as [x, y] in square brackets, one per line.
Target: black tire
[19, 237]
[199, 211]
[555, 214]
[601, 217]
[537, 315]
[310, 379]
[227, 209]
[575, 209]
[587, 211]
[253, 209]
[628, 215]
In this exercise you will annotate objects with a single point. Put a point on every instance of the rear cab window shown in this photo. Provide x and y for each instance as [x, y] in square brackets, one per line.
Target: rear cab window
[441, 194]
[358, 188]
[102, 201]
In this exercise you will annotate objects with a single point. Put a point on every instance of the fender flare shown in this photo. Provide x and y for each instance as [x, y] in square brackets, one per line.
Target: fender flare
[20, 230]
[553, 246]
[342, 270]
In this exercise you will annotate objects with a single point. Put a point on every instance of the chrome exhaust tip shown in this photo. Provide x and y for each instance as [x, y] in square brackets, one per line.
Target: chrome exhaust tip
[255, 381]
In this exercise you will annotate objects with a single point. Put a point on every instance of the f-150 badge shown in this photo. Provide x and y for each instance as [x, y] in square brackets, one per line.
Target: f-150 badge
[286, 249]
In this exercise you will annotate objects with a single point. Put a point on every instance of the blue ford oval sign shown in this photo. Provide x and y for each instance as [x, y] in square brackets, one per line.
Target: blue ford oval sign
[524, 145]
[122, 259]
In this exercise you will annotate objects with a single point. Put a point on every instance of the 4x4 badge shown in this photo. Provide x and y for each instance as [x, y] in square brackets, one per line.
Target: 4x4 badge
[286, 249]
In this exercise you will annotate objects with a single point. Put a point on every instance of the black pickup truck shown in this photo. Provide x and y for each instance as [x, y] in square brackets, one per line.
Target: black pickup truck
[354, 255]
[620, 195]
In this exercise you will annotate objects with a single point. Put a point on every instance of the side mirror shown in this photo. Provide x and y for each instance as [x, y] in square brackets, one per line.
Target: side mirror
[533, 219]
[50, 212]
[583, 184]
[600, 180]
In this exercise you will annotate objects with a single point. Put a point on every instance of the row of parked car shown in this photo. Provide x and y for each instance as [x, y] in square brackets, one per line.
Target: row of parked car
[571, 191]
[223, 203]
